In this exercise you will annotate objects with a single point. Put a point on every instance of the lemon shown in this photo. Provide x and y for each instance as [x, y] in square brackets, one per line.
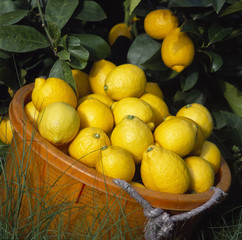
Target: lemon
[94, 113]
[137, 184]
[98, 74]
[211, 153]
[103, 98]
[158, 23]
[116, 162]
[133, 106]
[87, 144]
[159, 107]
[50, 90]
[120, 29]
[82, 83]
[132, 134]
[6, 130]
[177, 135]
[31, 112]
[201, 172]
[200, 114]
[126, 80]
[154, 88]
[58, 123]
[177, 50]
[164, 171]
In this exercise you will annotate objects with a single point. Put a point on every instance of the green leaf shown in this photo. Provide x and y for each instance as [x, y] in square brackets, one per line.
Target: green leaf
[10, 18]
[218, 4]
[215, 60]
[64, 55]
[236, 7]
[189, 78]
[96, 46]
[55, 33]
[142, 49]
[189, 3]
[191, 26]
[19, 38]
[217, 33]
[62, 70]
[233, 96]
[60, 11]
[200, 15]
[4, 55]
[133, 5]
[7, 6]
[91, 11]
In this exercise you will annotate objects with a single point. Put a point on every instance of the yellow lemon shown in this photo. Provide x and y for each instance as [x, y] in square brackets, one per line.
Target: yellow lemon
[211, 153]
[120, 29]
[31, 112]
[94, 113]
[158, 23]
[154, 88]
[103, 98]
[177, 135]
[116, 162]
[50, 90]
[200, 114]
[82, 83]
[177, 50]
[133, 106]
[164, 171]
[201, 172]
[59, 123]
[159, 107]
[87, 144]
[126, 80]
[137, 184]
[6, 130]
[98, 74]
[134, 135]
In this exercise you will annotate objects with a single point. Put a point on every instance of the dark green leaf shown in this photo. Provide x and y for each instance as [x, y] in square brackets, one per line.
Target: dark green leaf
[55, 33]
[233, 96]
[133, 5]
[142, 49]
[8, 78]
[96, 46]
[62, 70]
[217, 33]
[4, 55]
[218, 4]
[10, 18]
[91, 11]
[7, 6]
[189, 3]
[215, 60]
[19, 38]
[219, 120]
[200, 15]
[191, 26]
[60, 11]
[189, 78]
[64, 55]
[236, 7]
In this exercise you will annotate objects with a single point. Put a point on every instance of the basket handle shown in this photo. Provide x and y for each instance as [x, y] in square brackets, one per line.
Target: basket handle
[160, 225]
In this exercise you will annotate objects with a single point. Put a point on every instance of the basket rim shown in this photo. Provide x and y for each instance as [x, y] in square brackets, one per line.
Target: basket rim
[90, 177]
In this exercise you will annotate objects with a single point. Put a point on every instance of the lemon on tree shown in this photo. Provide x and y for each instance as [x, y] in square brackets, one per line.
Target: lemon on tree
[177, 135]
[133, 106]
[6, 130]
[126, 80]
[120, 29]
[82, 83]
[200, 114]
[177, 50]
[87, 144]
[31, 112]
[164, 171]
[132, 134]
[94, 113]
[158, 23]
[154, 88]
[98, 74]
[159, 107]
[116, 162]
[50, 90]
[201, 172]
[59, 123]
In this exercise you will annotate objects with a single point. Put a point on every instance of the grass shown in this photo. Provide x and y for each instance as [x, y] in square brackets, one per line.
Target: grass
[97, 220]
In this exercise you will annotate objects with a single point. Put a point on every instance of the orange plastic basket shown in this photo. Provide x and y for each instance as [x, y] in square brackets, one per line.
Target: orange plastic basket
[83, 200]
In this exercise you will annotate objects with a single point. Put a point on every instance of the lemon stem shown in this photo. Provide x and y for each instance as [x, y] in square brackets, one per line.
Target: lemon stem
[149, 149]
[188, 105]
[96, 135]
[104, 147]
[105, 87]
[130, 117]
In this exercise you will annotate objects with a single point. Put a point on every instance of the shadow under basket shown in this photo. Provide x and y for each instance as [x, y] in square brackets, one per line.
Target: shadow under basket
[51, 193]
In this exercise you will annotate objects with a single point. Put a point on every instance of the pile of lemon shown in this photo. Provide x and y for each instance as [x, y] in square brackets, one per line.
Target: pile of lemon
[117, 121]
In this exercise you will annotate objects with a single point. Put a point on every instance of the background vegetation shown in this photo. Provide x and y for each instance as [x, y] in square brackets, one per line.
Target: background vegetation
[49, 37]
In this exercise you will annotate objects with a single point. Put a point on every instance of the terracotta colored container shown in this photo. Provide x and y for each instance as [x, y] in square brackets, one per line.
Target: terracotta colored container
[61, 189]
